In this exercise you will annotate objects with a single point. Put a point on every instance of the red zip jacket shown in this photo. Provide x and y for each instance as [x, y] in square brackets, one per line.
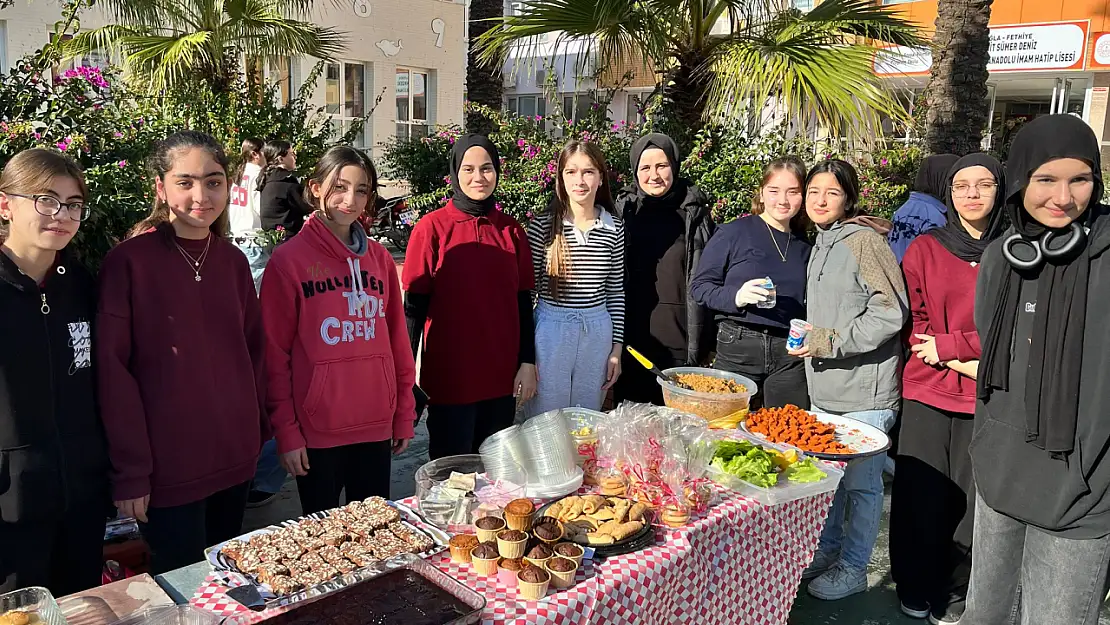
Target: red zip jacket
[340, 367]
[942, 304]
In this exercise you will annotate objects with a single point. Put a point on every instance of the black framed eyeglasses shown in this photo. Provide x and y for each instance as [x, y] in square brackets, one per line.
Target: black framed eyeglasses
[50, 206]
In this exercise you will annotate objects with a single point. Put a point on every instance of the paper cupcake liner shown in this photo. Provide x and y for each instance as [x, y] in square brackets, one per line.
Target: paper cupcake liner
[511, 551]
[577, 559]
[460, 554]
[538, 562]
[562, 532]
[561, 579]
[486, 567]
[487, 536]
[532, 591]
[522, 522]
[507, 577]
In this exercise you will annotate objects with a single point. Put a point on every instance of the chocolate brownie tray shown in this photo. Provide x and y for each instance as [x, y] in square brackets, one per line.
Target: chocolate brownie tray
[319, 553]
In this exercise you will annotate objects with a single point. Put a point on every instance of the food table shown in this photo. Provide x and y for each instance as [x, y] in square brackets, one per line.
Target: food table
[108, 603]
[740, 563]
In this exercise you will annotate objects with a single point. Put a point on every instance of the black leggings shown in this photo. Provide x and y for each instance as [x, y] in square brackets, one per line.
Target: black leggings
[461, 428]
[362, 469]
[65, 554]
[178, 535]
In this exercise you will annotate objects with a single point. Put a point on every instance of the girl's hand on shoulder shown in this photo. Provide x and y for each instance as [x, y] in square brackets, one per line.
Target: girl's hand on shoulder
[614, 367]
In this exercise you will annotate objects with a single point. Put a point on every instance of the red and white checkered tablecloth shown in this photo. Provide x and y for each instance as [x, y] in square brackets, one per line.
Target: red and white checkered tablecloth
[740, 564]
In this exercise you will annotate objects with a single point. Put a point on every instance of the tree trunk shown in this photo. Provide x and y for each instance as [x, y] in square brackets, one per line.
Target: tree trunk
[957, 91]
[687, 90]
[483, 83]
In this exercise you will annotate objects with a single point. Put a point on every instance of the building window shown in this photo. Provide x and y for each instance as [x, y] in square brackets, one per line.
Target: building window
[528, 106]
[3, 46]
[345, 97]
[280, 71]
[576, 107]
[412, 89]
[632, 114]
[804, 5]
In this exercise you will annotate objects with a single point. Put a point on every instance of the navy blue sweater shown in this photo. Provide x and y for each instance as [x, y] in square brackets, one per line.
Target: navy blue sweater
[743, 250]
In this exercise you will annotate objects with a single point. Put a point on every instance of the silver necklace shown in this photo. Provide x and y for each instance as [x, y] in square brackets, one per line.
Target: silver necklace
[196, 264]
[782, 254]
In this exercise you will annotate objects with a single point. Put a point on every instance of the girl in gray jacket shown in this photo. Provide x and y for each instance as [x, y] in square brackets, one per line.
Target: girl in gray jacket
[856, 301]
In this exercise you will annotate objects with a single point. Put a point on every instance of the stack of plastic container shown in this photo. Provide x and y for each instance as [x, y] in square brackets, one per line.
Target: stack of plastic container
[504, 457]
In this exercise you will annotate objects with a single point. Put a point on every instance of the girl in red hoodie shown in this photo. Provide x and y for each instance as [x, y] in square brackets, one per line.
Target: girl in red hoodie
[339, 362]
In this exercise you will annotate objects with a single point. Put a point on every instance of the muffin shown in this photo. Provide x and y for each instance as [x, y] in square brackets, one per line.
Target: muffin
[562, 572]
[507, 568]
[533, 582]
[675, 515]
[518, 514]
[538, 555]
[548, 531]
[460, 545]
[484, 557]
[570, 551]
[511, 543]
[487, 528]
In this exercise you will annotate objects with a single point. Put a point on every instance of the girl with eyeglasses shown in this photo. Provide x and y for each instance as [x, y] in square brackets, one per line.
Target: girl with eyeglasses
[53, 455]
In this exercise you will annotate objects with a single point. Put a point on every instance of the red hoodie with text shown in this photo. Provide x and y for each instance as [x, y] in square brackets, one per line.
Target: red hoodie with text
[338, 358]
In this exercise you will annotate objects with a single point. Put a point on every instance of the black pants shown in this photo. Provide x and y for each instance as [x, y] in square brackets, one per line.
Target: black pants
[65, 555]
[363, 469]
[178, 535]
[932, 506]
[759, 353]
[461, 428]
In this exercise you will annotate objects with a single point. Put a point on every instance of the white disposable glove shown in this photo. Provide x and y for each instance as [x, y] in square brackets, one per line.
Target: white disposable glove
[751, 293]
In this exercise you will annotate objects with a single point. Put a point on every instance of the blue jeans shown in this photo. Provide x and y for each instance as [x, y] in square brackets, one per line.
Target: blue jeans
[257, 257]
[572, 355]
[269, 476]
[853, 523]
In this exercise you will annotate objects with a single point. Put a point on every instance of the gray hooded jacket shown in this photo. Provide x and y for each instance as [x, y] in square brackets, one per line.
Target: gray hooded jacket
[856, 301]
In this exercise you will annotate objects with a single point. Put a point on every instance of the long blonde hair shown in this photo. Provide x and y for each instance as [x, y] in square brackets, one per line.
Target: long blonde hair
[161, 162]
[31, 172]
[557, 254]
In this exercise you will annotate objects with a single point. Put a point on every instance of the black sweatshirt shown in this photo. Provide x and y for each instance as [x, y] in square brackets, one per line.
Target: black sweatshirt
[283, 204]
[53, 453]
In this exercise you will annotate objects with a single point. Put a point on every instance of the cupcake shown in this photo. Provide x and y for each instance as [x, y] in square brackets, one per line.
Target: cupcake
[675, 515]
[549, 531]
[460, 545]
[562, 572]
[533, 582]
[570, 551]
[511, 543]
[487, 528]
[518, 514]
[507, 568]
[484, 557]
[538, 555]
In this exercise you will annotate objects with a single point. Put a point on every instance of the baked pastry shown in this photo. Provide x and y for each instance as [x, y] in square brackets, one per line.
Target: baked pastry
[561, 565]
[533, 583]
[18, 617]
[284, 585]
[548, 531]
[675, 515]
[568, 550]
[233, 548]
[460, 546]
[488, 526]
[613, 485]
[484, 557]
[540, 552]
[533, 574]
[518, 514]
[507, 568]
[562, 572]
[511, 543]
[486, 551]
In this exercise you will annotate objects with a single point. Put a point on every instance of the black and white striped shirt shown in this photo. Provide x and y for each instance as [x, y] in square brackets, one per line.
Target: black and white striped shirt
[596, 266]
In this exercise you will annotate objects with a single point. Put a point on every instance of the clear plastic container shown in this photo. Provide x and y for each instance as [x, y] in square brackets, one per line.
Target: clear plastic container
[170, 615]
[582, 424]
[784, 491]
[35, 600]
[446, 513]
[708, 406]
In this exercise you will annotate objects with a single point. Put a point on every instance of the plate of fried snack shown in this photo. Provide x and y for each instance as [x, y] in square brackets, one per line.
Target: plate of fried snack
[830, 437]
[600, 521]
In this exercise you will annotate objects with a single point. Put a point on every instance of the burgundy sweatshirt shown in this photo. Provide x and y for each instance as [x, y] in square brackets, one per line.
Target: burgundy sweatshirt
[942, 304]
[181, 369]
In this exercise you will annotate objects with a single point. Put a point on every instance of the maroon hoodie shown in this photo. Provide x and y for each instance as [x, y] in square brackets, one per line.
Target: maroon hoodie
[181, 369]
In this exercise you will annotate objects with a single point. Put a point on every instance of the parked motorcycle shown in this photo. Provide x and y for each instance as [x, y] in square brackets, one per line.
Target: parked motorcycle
[393, 220]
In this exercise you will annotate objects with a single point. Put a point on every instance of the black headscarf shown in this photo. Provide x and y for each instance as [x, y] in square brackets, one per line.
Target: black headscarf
[459, 198]
[661, 141]
[953, 236]
[933, 175]
[1051, 385]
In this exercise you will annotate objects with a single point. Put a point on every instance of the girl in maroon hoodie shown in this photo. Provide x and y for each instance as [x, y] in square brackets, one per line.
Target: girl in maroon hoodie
[340, 367]
[179, 360]
[932, 500]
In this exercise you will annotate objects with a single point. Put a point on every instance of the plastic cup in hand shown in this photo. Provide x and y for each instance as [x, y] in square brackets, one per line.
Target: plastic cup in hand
[770, 286]
[799, 328]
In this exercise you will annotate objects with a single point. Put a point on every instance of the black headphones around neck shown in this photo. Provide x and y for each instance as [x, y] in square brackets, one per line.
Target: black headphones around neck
[1046, 246]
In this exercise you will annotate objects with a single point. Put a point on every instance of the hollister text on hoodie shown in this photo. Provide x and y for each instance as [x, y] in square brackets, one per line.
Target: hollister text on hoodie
[340, 367]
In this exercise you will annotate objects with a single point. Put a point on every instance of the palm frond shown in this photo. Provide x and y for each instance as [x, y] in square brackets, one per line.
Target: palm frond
[105, 38]
[863, 18]
[169, 60]
[261, 27]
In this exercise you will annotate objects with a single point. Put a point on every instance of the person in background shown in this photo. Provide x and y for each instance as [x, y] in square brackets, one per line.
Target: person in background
[243, 209]
[925, 209]
[667, 224]
[281, 193]
[932, 499]
[578, 257]
[54, 496]
[856, 301]
[1042, 511]
[468, 281]
[180, 367]
[326, 343]
[751, 340]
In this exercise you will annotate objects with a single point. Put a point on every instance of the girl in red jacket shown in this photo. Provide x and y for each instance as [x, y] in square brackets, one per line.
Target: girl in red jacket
[933, 496]
[340, 367]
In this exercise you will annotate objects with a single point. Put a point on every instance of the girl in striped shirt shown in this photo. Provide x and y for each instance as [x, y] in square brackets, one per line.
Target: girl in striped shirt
[578, 256]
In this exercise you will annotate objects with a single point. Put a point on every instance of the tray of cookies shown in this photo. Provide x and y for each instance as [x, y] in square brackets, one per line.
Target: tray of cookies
[604, 523]
[318, 553]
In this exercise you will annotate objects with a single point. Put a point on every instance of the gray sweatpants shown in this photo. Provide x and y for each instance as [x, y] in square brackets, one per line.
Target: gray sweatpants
[572, 353]
[1020, 572]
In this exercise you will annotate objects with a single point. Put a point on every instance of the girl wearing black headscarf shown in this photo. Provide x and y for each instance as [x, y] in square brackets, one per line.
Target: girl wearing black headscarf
[667, 224]
[925, 209]
[933, 493]
[468, 281]
[1042, 514]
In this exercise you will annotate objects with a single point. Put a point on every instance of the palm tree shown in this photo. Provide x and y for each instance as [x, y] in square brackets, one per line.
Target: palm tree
[483, 81]
[171, 43]
[713, 54]
[957, 90]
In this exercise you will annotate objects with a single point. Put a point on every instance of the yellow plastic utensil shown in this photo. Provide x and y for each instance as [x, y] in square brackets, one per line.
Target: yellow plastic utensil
[650, 366]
